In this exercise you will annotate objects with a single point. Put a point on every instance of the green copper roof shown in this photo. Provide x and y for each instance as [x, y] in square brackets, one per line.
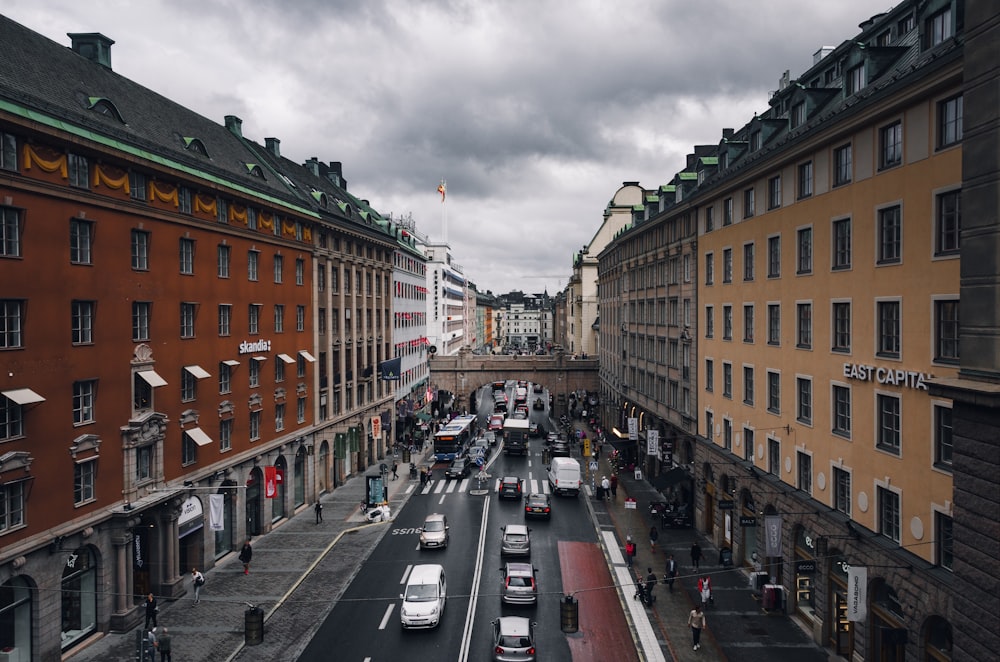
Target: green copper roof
[687, 176]
[668, 188]
[710, 160]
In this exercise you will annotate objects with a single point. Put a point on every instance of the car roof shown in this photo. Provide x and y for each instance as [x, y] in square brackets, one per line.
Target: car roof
[516, 528]
[434, 516]
[520, 569]
[510, 479]
[516, 626]
[538, 495]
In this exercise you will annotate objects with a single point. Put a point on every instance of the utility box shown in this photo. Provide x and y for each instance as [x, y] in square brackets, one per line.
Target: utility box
[569, 615]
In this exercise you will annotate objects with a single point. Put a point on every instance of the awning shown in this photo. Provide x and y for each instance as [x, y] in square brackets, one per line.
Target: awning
[198, 436]
[307, 356]
[152, 378]
[259, 358]
[197, 371]
[23, 396]
[423, 416]
[286, 358]
[232, 363]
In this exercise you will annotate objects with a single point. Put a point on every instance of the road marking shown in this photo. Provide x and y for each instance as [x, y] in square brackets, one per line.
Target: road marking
[464, 485]
[388, 613]
[406, 575]
[463, 654]
[440, 486]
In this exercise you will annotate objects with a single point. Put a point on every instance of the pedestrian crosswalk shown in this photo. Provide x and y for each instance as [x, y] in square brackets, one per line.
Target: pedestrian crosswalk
[445, 486]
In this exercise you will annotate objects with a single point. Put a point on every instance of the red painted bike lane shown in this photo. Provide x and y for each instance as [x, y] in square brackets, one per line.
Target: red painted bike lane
[604, 633]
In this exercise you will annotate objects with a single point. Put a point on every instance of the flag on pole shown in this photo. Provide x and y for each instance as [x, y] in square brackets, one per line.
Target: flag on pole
[442, 189]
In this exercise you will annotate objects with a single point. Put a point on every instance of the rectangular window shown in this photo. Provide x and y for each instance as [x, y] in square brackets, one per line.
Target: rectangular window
[225, 378]
[253, 262]
[79, 172]
[727, 212]
[184, 200]
[949, 223]
[709, 321]
[300, 318]
[254, 372]
[774, 324]
[83, 322]
[709, 268]
[773, 456]
[279, 318]
[189, 449]
[888, 514]
[221, 210]
[187, 319]
[949, 121]
[773, 257]
[709, 375]
[224, 260]
[255, 426]
[225, 435]
[727, 322]
[748, 445]
[748, 322]
[946, 331]
[137, 185]
[187, 256]
[843, 169]
[11, 419]
[727, 265]
[804, 328]
[727, 380]
[143, 463]
[944, 540]
[83, 402]
[942, 437]
[842, 243]
[709, 425]
[84, 474]
[805, 179]
[774, 192]
[888, 329]
[709, 219]
[841, 327]
[773, 392]
[279, 417]
[798, 114]
[748, 385]
[12, 505]
[755, 141]
[939, 27]
[805, 251]
[727, 434]
[842, 490]
[805, 472]
[300, 410]
[890, 139]
[81, 241]
[842, 411]
[141, 312]
[890, 235]
[253, 311]
[300, 271]
[804, 400]
[748, 203]
[279, 370]
[140, 250]
[279, 266]
[748, 266]
[11, 323]
[225, 319]
[10, 232]
[8, 151]
[188, 386]
[889, 421]
[855, 79]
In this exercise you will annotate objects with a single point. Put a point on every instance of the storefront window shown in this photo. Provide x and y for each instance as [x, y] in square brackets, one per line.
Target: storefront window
[841, 632]
[224, 536]
[805, 571]
[15, 618]
[278, 502]
[79, 596]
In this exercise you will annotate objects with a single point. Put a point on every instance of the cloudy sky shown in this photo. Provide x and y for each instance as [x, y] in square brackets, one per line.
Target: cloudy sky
[534, 111]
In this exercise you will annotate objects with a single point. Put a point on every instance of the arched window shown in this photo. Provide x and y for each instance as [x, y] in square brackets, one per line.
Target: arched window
[299, 477]
[937, 640]
[79, 596]
[15, 617]
[278, 502]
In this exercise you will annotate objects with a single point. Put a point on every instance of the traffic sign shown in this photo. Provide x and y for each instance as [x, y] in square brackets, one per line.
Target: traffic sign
[479, 461]
[629, 503]
[593, 466]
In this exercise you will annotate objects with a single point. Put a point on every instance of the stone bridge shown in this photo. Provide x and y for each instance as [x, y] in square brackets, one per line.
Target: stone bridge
[465, 372]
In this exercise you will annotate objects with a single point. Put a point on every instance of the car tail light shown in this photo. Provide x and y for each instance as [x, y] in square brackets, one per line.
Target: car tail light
[531, 651]
[527, 509]
[534, 587]
[547, 509]
[499, 650]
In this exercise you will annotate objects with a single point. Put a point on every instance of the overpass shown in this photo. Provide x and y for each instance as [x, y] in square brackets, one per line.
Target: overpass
[465, 372]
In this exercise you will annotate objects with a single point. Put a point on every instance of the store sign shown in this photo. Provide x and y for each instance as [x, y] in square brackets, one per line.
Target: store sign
[805, 567]
[748, 520]
[376, 427]
[889, 376]
[727, 505]
[857, 594]
[633, 429]
[652, 442]
[252, 347]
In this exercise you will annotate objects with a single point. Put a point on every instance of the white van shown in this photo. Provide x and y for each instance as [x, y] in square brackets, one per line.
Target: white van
[564, 476]
[424, 597]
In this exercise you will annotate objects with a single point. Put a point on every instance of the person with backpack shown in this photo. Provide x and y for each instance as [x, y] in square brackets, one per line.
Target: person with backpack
[197, 580]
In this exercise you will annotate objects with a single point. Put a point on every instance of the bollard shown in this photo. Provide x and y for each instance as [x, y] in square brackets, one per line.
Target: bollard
[253, 626]
[569, 615]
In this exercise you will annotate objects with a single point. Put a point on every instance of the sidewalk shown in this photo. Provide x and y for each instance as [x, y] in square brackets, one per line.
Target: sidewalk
[297, 569]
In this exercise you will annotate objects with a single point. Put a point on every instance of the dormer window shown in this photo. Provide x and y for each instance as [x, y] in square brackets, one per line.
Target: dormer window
[320, 197]
[755, 141]
[856, 79]
[939, 27]
[195, 145]
[798, 114]
[254, 170]
[105, 107]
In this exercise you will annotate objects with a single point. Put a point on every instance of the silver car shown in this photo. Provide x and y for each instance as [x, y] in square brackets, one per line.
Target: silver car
[434, 533]
[515, 540]
[513, 639]
[519, 584]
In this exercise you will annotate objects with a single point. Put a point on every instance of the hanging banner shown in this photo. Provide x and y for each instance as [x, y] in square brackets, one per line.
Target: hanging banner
[633, 429]
[376, 427]
[653, 442]
[216, 512]
[772, 535]
[270, 482]
[857, 594]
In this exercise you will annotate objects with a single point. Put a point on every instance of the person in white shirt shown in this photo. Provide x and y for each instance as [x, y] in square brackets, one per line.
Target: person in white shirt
[197, 580]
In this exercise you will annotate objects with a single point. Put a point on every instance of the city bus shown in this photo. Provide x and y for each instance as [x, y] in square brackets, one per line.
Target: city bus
[454, 438]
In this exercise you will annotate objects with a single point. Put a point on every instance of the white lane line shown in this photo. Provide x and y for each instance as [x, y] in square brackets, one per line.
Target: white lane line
[409, 488]
[441, 500]
[440, 486]
[463, 654]
[385, 617]
[534, 486]
[406, 575]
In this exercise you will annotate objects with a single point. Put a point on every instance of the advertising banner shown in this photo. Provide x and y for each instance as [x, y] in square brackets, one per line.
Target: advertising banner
[772, 535]
[857, 594]
[653, 442]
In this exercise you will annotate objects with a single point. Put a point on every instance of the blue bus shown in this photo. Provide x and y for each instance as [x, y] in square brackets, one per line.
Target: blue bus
[454, 438]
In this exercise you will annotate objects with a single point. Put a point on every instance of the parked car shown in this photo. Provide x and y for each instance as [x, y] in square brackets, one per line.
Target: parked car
[511, 487]
[537, 505]
[434, 532]
[537, 388]
[513, 639]
[515, 540]
[559, 449]
[460, 467]
[519, 584]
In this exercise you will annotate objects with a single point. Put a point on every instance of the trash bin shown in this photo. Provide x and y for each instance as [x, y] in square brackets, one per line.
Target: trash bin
[253, 619]
[725, 557]
[406, 455]
[569, 615]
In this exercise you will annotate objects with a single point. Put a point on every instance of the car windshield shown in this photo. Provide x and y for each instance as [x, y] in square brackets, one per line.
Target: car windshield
[435, 525]
[458, 464]
[421, 593]
[518, 581]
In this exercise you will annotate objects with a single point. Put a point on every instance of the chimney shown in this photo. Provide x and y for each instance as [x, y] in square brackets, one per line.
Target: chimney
[821, 53]
[727, 134]
[313, 166]
[235, 125]
[92, 45]
[336, 174]
[273, 145]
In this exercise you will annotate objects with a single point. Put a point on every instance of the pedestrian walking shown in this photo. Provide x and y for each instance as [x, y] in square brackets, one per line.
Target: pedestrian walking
[151, 645]
[654, 535]
[395, 467]
[650, 583]
[151, 610]
[705, 589]
[318, 509]
[629, 550]
[163, 645]
[695, 554]
[197, 580]
[671, 572]
[696, 620]
[614, 486]
[246, 555]
[605, 487]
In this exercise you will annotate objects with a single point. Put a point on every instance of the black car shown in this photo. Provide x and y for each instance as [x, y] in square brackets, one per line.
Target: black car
[559, 449]
[511, 487]
[537, 505]
[460, 467]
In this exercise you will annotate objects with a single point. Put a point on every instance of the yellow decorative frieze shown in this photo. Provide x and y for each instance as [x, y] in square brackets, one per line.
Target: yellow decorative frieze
[58, 164]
